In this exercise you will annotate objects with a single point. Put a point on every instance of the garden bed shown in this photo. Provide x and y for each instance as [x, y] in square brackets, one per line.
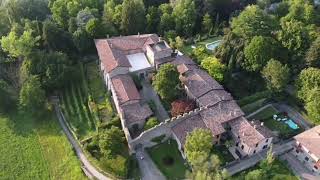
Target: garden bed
[168, 159]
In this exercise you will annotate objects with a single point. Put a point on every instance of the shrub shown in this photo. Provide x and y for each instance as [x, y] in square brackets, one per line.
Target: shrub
[181, 106]
[113, 122]
[116, 165]
[152, 122]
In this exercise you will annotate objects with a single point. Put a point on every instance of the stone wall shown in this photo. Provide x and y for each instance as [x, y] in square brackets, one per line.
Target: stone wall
[164, 128]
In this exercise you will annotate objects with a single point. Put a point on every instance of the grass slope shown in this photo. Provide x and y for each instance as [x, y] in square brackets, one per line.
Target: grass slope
[35, 150]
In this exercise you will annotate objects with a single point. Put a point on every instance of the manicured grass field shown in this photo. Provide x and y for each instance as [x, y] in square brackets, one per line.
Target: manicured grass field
[33, 149]
[266, 116]
[162, 155]
[187, 49]
[278, 168]
[223, 153]
[252, 107]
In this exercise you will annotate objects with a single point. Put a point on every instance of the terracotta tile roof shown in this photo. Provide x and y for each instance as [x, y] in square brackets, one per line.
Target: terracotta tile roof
[112, 52]
[246, 132]
[182, 68]
[125, 88]
[136, 112]
[213, 97]
[221, 112]
[310, 139]
[183, 60]
[199, 82]
[186, 126]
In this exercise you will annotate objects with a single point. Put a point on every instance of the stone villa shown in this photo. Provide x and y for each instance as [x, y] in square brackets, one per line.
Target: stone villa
[218, 112]
[307, 149]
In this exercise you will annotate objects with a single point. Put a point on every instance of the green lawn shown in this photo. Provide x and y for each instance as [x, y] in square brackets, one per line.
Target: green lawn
[278, 167]
[33, 149]
[223, 153]
[266, 116]
[162, 154]
[252, 107]
[187, 49]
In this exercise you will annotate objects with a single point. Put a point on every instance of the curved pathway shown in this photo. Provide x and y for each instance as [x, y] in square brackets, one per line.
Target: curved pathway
[89, 168]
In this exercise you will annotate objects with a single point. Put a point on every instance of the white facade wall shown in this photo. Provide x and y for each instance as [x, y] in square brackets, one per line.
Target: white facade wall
[247, 150]
[307, 158]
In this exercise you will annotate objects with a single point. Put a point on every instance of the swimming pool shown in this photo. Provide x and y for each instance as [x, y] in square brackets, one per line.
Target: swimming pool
[212, 46]
[292, 124]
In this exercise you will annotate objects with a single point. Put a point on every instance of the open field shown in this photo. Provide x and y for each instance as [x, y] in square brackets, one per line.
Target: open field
[168, 159]
[33, 149]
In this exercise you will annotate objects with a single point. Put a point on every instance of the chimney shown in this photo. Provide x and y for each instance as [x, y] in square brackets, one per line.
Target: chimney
[252, 122]
[242, 133]
[262, 123]
[138, 34]
[255, 126]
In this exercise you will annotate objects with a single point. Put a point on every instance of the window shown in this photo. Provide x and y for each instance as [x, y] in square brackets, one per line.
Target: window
[237, 144]
[297, 151]
[238, 137]
[242, 146]
[254, 151]
[257, 145]
[265, 146]
[267, 140]
[315, 166]
[306, 158]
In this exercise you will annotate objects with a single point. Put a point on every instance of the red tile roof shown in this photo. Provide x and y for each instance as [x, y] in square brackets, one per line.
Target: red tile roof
[186, 126]
[136, 112]
[125, 88]
[249, 135]
[213, 97]
[199, 82]
[112, 52]
[310, 139]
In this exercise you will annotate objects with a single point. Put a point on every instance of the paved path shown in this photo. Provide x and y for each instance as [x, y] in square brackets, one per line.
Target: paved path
[254, 159]
[149, 170]
[296, 116]
[297, 167]
[89, 168]
[149, 94]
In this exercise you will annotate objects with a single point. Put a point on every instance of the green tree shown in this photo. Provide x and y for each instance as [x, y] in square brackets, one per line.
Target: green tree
[308, 79]
[253, 21]
[82, 41]
[111, 141]
[19, 46]
[133, 16]
[166, 24]
[32, 97]
[301, 10]
[313, 54]
[276, 75]
[5, 97]
[255, 174]
[294, 36]
[258, 52]
[166, 82]
[198, 146]
[152, 122]
[214, 67]
[199, 53]
[207, 23]
[53, 36]
[153, 19]
[179, 44]
[312, 104]
[184, 13]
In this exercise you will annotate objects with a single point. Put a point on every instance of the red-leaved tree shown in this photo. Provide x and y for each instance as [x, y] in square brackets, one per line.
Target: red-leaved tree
[181, 106]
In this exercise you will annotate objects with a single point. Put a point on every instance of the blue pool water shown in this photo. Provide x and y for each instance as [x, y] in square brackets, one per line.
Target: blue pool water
[212, 46]
[292, 124]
